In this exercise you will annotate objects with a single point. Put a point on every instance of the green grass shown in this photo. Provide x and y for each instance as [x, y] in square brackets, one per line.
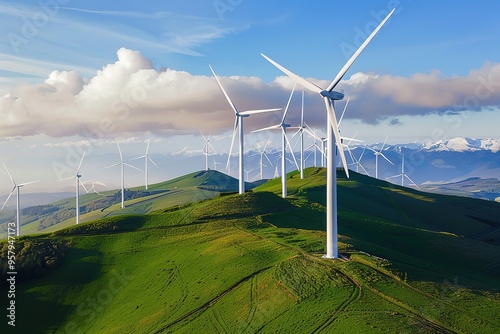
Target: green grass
[413, 263]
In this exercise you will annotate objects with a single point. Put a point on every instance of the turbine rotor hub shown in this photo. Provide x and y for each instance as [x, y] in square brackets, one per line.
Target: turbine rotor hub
[332, 95]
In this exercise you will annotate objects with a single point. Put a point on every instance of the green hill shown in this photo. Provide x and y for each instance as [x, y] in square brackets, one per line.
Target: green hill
[411, 263]
[185, 189]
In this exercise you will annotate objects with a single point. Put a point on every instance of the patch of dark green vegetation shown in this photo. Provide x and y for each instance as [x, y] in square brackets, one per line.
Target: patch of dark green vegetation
[35, 257]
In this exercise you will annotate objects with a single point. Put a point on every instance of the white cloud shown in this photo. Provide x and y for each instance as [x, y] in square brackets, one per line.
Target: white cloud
[130, 96]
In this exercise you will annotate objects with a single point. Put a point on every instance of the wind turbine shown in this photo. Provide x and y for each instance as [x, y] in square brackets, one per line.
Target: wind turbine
[403, 175]
[238, 124]
[301, 128]
[214, 165]
[122, 164]
[329, 96]
[18, 204]
[284, 143]
[206, 149]
[377, 153]
[357, 162]
[146, 159]
[77, 191]
[262, 154]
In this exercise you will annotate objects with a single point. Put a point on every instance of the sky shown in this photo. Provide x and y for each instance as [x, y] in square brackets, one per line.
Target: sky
[75, 75]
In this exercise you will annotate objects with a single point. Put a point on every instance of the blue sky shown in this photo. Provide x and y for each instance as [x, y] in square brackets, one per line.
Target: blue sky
[133, 70]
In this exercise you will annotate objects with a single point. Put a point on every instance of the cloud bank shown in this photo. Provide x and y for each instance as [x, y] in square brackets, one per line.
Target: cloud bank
[131, 96]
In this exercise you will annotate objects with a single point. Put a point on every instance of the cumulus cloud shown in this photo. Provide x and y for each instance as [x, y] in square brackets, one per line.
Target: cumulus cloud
[420, 94]
[131, 96]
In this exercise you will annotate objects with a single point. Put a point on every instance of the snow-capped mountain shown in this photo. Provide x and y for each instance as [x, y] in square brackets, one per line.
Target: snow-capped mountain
[463, 144]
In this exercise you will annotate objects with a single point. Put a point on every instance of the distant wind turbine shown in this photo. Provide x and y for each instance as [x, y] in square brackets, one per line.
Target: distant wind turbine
[303, 127]
[403, 175]
[146, 160]
[77, 191]
[329, 96]
[238, 124]
[357, 162]
[284, 143]
[18, 204]
[122, 164]
[206, 149]
[377, 153]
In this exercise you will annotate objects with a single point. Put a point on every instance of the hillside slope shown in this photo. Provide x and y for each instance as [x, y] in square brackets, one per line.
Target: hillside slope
[185, 189]
[412, 263]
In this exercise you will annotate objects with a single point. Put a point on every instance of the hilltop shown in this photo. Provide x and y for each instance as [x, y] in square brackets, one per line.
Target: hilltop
[411, 262]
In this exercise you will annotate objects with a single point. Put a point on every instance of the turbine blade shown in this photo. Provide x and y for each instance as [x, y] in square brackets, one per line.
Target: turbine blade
[232, 142]
[391, 177]
[13, 182]
[296, 132]
[382, 154]
[26, 183]
[147, 147]
[8, 197]
[224, 92]
[343, 112]
[80, 165]
[411, 181]
[126, 164]
[117, 164]
[347, 65]
[267, 143]
[311, 132]
[351, 139]
[119, 150]
[383, 145]
[142, 156]
[288, 104]
[361, 156]
[291, 150]
[274, 127]
[81, 183]
[360, 165]
[307, 84]
[265, 155]
[251, 112]
[66, 178]
[154, 163]
[336, 133]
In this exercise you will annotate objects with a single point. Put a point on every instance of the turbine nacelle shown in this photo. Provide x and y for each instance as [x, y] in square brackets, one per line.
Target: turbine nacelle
[332, 95]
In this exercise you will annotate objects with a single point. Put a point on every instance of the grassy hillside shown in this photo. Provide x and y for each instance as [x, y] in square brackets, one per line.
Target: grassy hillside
[411, 263]
[185, 189]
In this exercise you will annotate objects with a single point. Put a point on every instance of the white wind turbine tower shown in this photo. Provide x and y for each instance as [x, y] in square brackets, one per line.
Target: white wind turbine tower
[18, 204]
[77, 191]
[284, 143]
[377, 153]
[146, 160]
[206, 149]
[122, 164]
[403, 175]
[238, 124]
[329, 96]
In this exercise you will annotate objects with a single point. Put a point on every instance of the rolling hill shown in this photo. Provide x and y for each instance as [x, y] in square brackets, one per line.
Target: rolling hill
[59, 214]
[411, 262]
